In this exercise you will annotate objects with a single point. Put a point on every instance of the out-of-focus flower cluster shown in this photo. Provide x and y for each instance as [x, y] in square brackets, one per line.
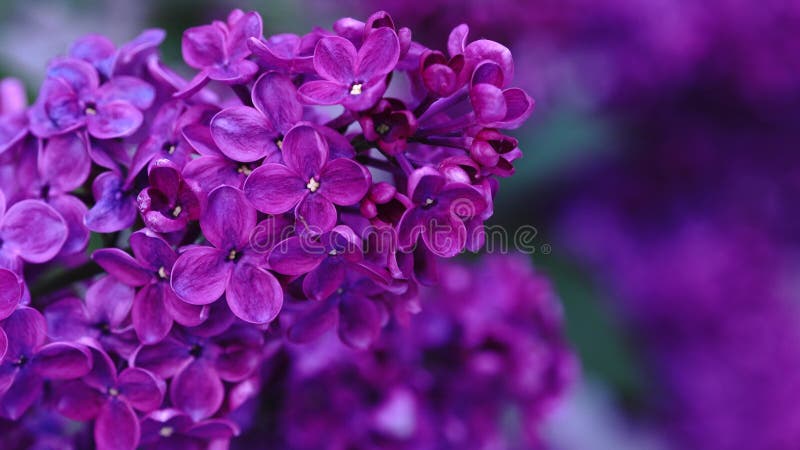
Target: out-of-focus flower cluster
[478, 368]
[295, 185]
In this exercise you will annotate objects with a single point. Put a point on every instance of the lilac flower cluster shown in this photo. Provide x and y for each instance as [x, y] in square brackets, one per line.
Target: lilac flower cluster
[478, 368]
[295, 185]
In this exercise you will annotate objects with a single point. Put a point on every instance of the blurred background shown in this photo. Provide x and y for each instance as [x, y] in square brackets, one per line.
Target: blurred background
[660, 171]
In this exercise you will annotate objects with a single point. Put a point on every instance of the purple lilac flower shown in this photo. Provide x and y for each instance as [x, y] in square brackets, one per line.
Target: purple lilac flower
[29, 361]
[308, 182]
[220, 50]
[170, 428]
[266, 216]
[102, 319]
[169, 203]
[110, 399]
[230, 266]
[72, 97]
[197, 365]
[248, 134]
[353, 78]
[155, 305]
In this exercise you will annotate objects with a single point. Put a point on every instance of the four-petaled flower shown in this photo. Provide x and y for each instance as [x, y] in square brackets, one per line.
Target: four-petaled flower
[307, 181]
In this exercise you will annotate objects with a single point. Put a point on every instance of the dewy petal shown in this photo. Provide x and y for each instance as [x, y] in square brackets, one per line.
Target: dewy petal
[64, 162]
[197, 390]
[203, 46]
[305, 151]
[109, 300]
[274, 188]
[33, 230]
[335, 59]
[117, 427]
[62, 360]
[78, 401]
[323, 92]
[152, 251]
[122, 266]
[141, 389]
[316, 214]
[151, 320]
[200, 275]
[275, 96]
[228, 219]
[243, 134]
[114, 119]
[10, 294]
[359, 321]
[378, 55]
[344, 181]
[254, 295]
[114, 209]
[293, 256]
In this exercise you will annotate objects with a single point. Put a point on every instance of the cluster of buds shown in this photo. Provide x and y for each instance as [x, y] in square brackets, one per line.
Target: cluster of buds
[295, 185]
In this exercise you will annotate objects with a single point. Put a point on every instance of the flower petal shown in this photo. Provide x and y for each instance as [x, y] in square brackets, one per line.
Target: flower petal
[182, 312]
[73, 211]
[141, 389]
[10, 294]
[203, 46]
[117, 427]
[322, 92]
[25, 329]
[109, 300]
[66, 319]
[62, 361]
[200, 275]
[359, 321]
[114, 119]
[344, 181]
[114, 208]
[378, 55]
[64, 162]
[197, 390]
[164, 359]
[34, 231]
[228, 219]
[128, 89]
[314, 323]
[151, 320]
[243, 134]
[335, 59]
[323, 281]
[254, 295]
[316, 214]
[78, 401]
[3, 344]
[274, 188]
[284, 112]
[305, 151]
[25, 390]
[292, 257]
[122, 266]
[152, 251]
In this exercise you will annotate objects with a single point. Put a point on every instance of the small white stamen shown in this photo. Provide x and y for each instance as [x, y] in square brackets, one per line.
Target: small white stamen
[428, 201]
[313, 185]
[162, 272]
[166, 431]
[177, 211]
[355, 89]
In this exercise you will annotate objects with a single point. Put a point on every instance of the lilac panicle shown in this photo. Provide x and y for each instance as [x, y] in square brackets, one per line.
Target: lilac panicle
[290, 188]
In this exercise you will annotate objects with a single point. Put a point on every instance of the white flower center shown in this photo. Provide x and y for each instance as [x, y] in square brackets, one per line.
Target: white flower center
[166, 431]
[312, 184]
[355, 89]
